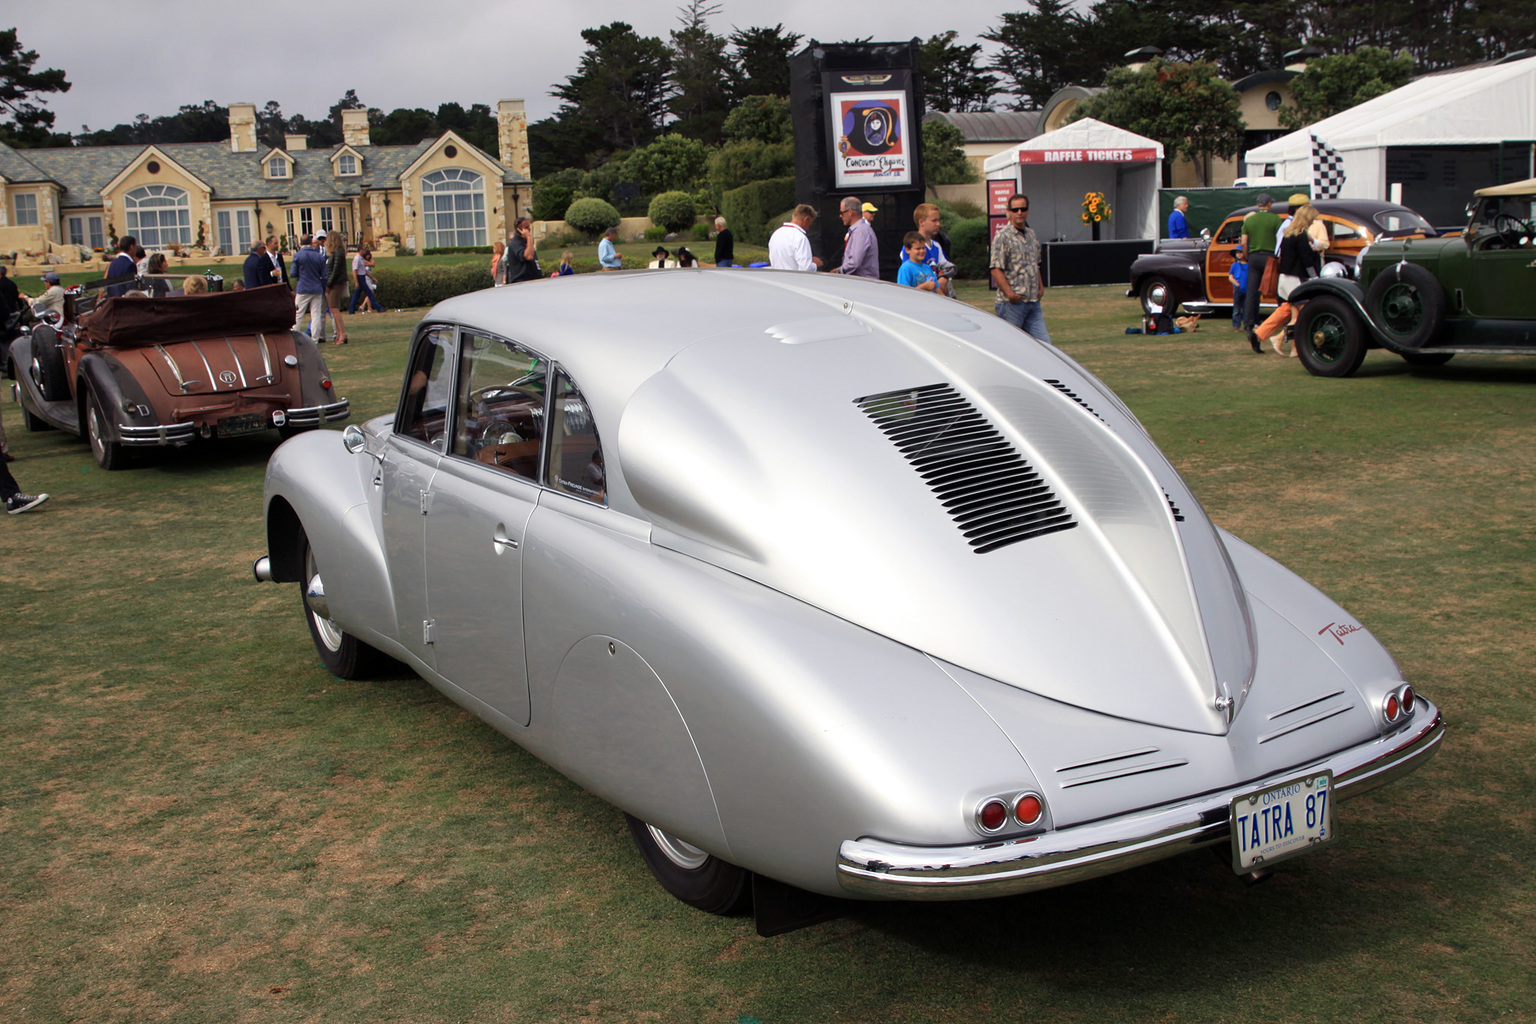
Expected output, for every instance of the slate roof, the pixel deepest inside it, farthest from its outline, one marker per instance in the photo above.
(992, 126)
(83, 171)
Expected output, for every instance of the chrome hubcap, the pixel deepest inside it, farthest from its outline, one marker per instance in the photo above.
(684, 855)
(327, 630)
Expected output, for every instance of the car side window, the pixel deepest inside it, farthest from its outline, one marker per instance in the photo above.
(575, 459)
(500, 407)
(1341, 231)
(1231, 232)
(423, 412)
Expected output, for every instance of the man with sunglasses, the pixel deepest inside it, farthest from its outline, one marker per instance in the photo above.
(1015, 267)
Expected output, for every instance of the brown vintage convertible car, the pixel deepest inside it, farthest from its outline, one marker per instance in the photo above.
(135, 372)
(1194, 274)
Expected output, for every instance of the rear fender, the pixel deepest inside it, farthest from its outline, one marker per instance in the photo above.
(312, 370)
(315, 487)
(122, 400)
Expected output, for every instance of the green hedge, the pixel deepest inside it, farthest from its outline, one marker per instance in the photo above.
(458, 248)
(971, 248)
(426, 286)
(750, 209)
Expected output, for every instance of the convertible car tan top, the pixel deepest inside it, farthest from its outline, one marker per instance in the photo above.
(134, 321)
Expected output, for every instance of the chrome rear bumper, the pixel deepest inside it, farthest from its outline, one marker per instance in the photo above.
(884, 870)
(317, 414)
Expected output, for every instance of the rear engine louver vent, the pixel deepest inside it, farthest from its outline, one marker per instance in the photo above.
(1059, 386)
(988, 488)
(1178, 516)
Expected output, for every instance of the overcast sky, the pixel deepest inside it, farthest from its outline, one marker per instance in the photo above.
(127, 57)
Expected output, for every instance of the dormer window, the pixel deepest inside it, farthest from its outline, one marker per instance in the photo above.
(346, 165)
(277, 167)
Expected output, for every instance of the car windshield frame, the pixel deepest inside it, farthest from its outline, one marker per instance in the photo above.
(1381, 219)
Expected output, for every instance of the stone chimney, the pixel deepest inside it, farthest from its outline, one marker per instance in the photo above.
(294, 143)
(354, 127)
(242, 127)
(512, 136)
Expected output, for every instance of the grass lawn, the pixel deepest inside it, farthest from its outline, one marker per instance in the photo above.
(197, 823)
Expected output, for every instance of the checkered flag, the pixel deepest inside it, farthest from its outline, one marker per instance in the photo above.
(1327, 170)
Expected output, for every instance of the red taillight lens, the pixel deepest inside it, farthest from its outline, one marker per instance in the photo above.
(992, 815)
(1392, 708)
(1028, 809)
(325, 382)
(1408, 699)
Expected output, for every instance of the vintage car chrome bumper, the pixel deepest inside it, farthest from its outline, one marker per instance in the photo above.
(873, 867)
(314, 415)
(169, 433)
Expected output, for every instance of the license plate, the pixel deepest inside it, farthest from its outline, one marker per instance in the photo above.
(1279, 822)
(234, 426)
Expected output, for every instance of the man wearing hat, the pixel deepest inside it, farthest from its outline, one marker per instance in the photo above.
(53, 295)
(870, 209)
(1260, 231)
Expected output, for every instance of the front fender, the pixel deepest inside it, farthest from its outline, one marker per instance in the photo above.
(1185, 275)
(1350, 293)
(316, 488)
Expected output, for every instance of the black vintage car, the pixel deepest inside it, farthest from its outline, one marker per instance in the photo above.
(1194, 273)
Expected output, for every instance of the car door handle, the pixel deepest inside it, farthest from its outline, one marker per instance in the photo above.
(501, 542)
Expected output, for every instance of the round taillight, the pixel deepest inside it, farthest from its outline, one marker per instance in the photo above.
(1027, 809)
(1392, 708)
(992, 815)
(1408, 699)
(325, 382)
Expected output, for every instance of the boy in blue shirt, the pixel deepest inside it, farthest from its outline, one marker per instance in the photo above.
(1238, 275)
(915, 273)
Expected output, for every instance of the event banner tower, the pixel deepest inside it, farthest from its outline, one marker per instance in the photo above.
(858, 113)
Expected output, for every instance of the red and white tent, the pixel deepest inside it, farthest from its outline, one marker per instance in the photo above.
(1058, 168)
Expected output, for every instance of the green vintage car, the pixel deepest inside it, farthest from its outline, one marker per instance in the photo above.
(1428, 299)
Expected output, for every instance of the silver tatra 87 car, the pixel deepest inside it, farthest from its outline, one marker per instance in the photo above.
(834, 588)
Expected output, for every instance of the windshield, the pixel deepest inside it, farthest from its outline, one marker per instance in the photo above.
(1395, 223)
(1490, 208)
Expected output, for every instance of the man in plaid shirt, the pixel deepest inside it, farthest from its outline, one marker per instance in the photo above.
(1016, 271)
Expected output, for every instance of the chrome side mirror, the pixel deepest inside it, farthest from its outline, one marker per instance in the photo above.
(1205, 233)
(354, 440)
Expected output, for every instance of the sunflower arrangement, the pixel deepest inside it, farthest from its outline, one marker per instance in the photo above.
(1095, 208)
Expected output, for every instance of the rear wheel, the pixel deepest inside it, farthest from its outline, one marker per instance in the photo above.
(1329, 338)
(109, 454)
(343, 654)
(697, 878)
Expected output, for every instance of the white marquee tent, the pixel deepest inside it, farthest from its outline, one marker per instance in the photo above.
(1056, 169)
(1478, 106)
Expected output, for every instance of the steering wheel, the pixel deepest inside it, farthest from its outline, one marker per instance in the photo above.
(1504, 224)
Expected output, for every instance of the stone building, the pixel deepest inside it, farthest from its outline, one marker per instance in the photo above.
(439, 193)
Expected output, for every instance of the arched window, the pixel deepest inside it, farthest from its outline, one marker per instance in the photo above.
(453, 208)
(159, 215)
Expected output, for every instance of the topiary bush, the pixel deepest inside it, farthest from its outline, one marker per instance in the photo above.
(400, 288)
(970, 247)
(673, 211)
(750, 210)
(700, 232)
(655, 233)
(591, 216)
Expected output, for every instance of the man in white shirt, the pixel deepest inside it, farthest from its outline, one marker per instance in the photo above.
(790, 246)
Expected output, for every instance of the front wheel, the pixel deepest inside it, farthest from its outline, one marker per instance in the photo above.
(1329, 338)
(1156, 296)
(343, 654)
(697, 878)
(109, 454)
